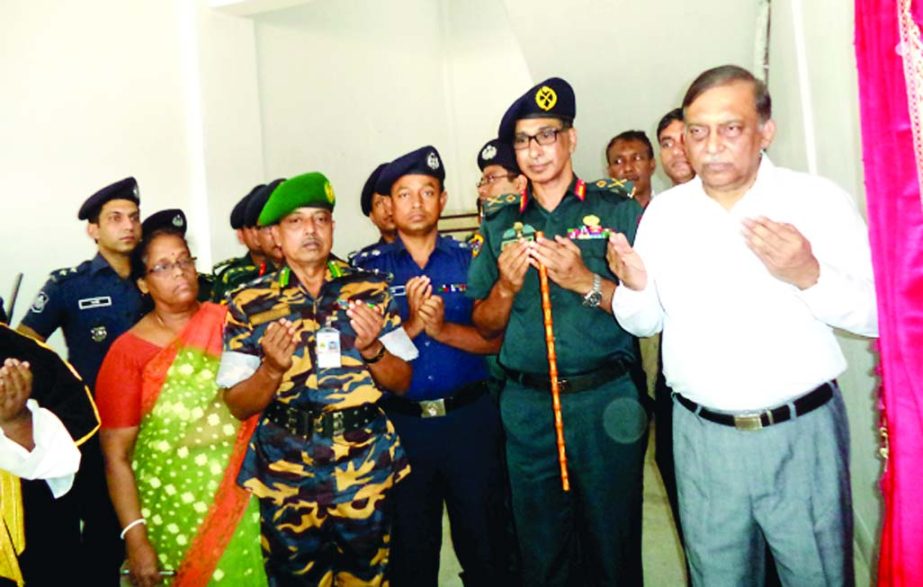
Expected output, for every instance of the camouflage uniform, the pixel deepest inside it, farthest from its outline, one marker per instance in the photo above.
(322, 499)
(231, 274)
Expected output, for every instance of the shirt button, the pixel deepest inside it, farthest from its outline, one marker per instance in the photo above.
(429, 377)
(426, 343)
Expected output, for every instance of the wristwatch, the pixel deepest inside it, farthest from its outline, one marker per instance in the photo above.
(592, 298)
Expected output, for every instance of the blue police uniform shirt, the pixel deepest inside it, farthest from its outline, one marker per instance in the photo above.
(440, 369)
(92, 305)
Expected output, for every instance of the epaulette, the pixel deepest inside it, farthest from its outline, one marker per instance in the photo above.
(386, 275)
(620, 187)
(61, 275)
(366, 252)
(497, 203)
(222, 264)
(230, 272)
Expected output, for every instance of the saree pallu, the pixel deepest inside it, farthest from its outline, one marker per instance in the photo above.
(186, 458)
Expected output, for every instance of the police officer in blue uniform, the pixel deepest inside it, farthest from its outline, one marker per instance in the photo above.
(94, 303)
(377, 207)
(447, 422)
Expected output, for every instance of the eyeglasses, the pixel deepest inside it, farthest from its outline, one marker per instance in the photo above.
(544, 137)
(489, 179)
(165, 268)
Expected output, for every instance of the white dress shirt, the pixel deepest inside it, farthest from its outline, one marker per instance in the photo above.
(735, 338)
(55, 458)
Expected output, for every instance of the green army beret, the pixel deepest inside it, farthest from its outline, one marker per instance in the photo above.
(309, 190)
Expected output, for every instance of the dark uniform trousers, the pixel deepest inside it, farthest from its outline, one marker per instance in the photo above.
(599, 520)
(454, 460)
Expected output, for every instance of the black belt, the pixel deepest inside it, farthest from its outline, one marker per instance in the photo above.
(304, 423)
(571, 383)
(436, 407)
(756, 420)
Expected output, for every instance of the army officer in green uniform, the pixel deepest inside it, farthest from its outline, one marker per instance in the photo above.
(605, 422)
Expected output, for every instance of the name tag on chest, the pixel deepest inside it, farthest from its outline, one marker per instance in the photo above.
(91, 303)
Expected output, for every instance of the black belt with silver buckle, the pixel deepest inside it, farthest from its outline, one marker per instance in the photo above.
(571, 383)
(757, 420)
(434, 408)
(304, 423)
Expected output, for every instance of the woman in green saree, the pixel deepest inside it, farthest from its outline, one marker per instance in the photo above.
(172, 448)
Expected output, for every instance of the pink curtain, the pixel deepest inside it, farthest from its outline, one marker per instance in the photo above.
(895, 219)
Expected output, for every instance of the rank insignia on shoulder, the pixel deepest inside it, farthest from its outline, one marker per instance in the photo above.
(493, 205)
(517, 232)
(621, 187)
(475, 242)
(591, 229)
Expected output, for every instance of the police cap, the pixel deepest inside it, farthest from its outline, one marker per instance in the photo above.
(171, 219)
(125, 189)
(239, 212)
(552, 98)
(368, 190)
(423, 161)
(496, 152)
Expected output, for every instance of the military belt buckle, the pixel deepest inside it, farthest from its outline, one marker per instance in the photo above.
(433, 408)
(330, 423)
(748, 422)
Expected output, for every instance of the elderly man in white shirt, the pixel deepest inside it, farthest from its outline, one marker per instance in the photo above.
(747, 269)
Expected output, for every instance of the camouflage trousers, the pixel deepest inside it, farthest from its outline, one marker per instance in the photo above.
(334, 544)
(324, 512)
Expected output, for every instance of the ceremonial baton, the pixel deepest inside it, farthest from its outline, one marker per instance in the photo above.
(553, 371)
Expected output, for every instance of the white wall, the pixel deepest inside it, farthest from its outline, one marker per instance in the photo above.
(92, 92)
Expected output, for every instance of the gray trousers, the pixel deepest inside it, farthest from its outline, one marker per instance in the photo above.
(786, 485)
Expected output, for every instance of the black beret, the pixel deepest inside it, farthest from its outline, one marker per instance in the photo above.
(125, 189)
(368, 190)
(172, 218)
(256, 202)
(423, 161)
(552, 98)
(240, 209)
(496, 152)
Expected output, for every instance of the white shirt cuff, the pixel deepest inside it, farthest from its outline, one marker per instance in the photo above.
(399, 344)
(236, 367)
(638, 312)
(55, 458)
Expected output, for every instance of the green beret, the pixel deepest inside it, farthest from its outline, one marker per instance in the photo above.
(310, 190)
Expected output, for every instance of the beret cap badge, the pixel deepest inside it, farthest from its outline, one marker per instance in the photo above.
(328, 191)
(489, 152)
(546, 98)
(432, 160)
